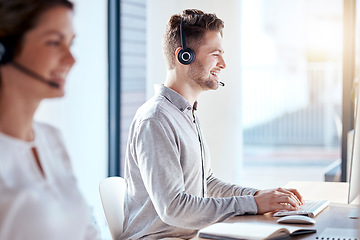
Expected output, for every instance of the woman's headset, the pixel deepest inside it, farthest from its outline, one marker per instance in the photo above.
(6, 50)
(185, 55)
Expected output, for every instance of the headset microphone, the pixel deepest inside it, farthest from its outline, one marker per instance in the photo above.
(221, 84)
(33, 74)
(185, 55)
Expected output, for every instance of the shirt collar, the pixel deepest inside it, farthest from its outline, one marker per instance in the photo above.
(175, 98)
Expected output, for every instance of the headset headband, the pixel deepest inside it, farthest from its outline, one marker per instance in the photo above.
(185, 55)
(183, 42)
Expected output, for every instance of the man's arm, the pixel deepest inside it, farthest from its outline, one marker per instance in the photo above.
(269, 200)
(217, 188)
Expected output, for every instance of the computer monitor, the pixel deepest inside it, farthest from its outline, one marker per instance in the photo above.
(354, 178)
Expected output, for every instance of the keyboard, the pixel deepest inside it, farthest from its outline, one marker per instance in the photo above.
(309, 208)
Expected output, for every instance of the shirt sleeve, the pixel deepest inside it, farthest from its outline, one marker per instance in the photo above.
(217, 188)
(158, 159)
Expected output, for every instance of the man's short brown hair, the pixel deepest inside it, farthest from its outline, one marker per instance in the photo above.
(195, 24)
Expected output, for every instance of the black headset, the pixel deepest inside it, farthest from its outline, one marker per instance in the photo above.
(185, 55)
(7, 49)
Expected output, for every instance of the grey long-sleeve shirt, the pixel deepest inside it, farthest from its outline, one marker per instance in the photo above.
(171, 190)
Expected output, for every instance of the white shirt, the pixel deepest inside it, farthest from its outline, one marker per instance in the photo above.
(171, 190)
(36, 207)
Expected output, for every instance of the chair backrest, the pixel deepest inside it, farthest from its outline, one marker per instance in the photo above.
(112, 192)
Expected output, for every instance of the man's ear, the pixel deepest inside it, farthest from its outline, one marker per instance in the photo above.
(177, 53)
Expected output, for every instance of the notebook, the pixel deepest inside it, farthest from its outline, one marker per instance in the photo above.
(251, 231)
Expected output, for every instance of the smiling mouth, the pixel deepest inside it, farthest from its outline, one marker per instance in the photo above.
(215, 73)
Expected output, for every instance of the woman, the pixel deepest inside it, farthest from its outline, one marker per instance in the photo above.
(39, 198)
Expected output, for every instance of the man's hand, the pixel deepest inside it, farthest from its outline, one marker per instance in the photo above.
(273, 200)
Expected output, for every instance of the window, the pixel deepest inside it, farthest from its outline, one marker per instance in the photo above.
(292, 90)
(127, 84)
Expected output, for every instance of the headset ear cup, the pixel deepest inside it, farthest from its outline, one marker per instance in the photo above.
(186, 56)
(6, 51)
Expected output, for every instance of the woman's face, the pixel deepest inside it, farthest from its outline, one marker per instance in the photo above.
(46, 51)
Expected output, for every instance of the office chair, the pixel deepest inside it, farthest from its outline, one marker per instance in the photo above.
(112, 193)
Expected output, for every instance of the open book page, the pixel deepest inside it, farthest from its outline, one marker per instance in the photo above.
(251, 231)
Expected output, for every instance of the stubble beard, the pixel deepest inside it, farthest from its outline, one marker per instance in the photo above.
(201, 77)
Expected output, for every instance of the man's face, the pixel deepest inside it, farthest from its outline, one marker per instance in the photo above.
(205, 69)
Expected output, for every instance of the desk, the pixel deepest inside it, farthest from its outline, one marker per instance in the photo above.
(334, 216)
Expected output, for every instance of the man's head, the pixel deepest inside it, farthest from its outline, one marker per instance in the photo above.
(195, 24)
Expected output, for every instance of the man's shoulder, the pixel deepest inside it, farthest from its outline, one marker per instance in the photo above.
(152, 109)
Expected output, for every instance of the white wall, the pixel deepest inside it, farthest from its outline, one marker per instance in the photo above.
(219, 111)
(82, 114)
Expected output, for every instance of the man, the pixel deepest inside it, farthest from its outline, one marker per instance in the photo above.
(171, 190)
